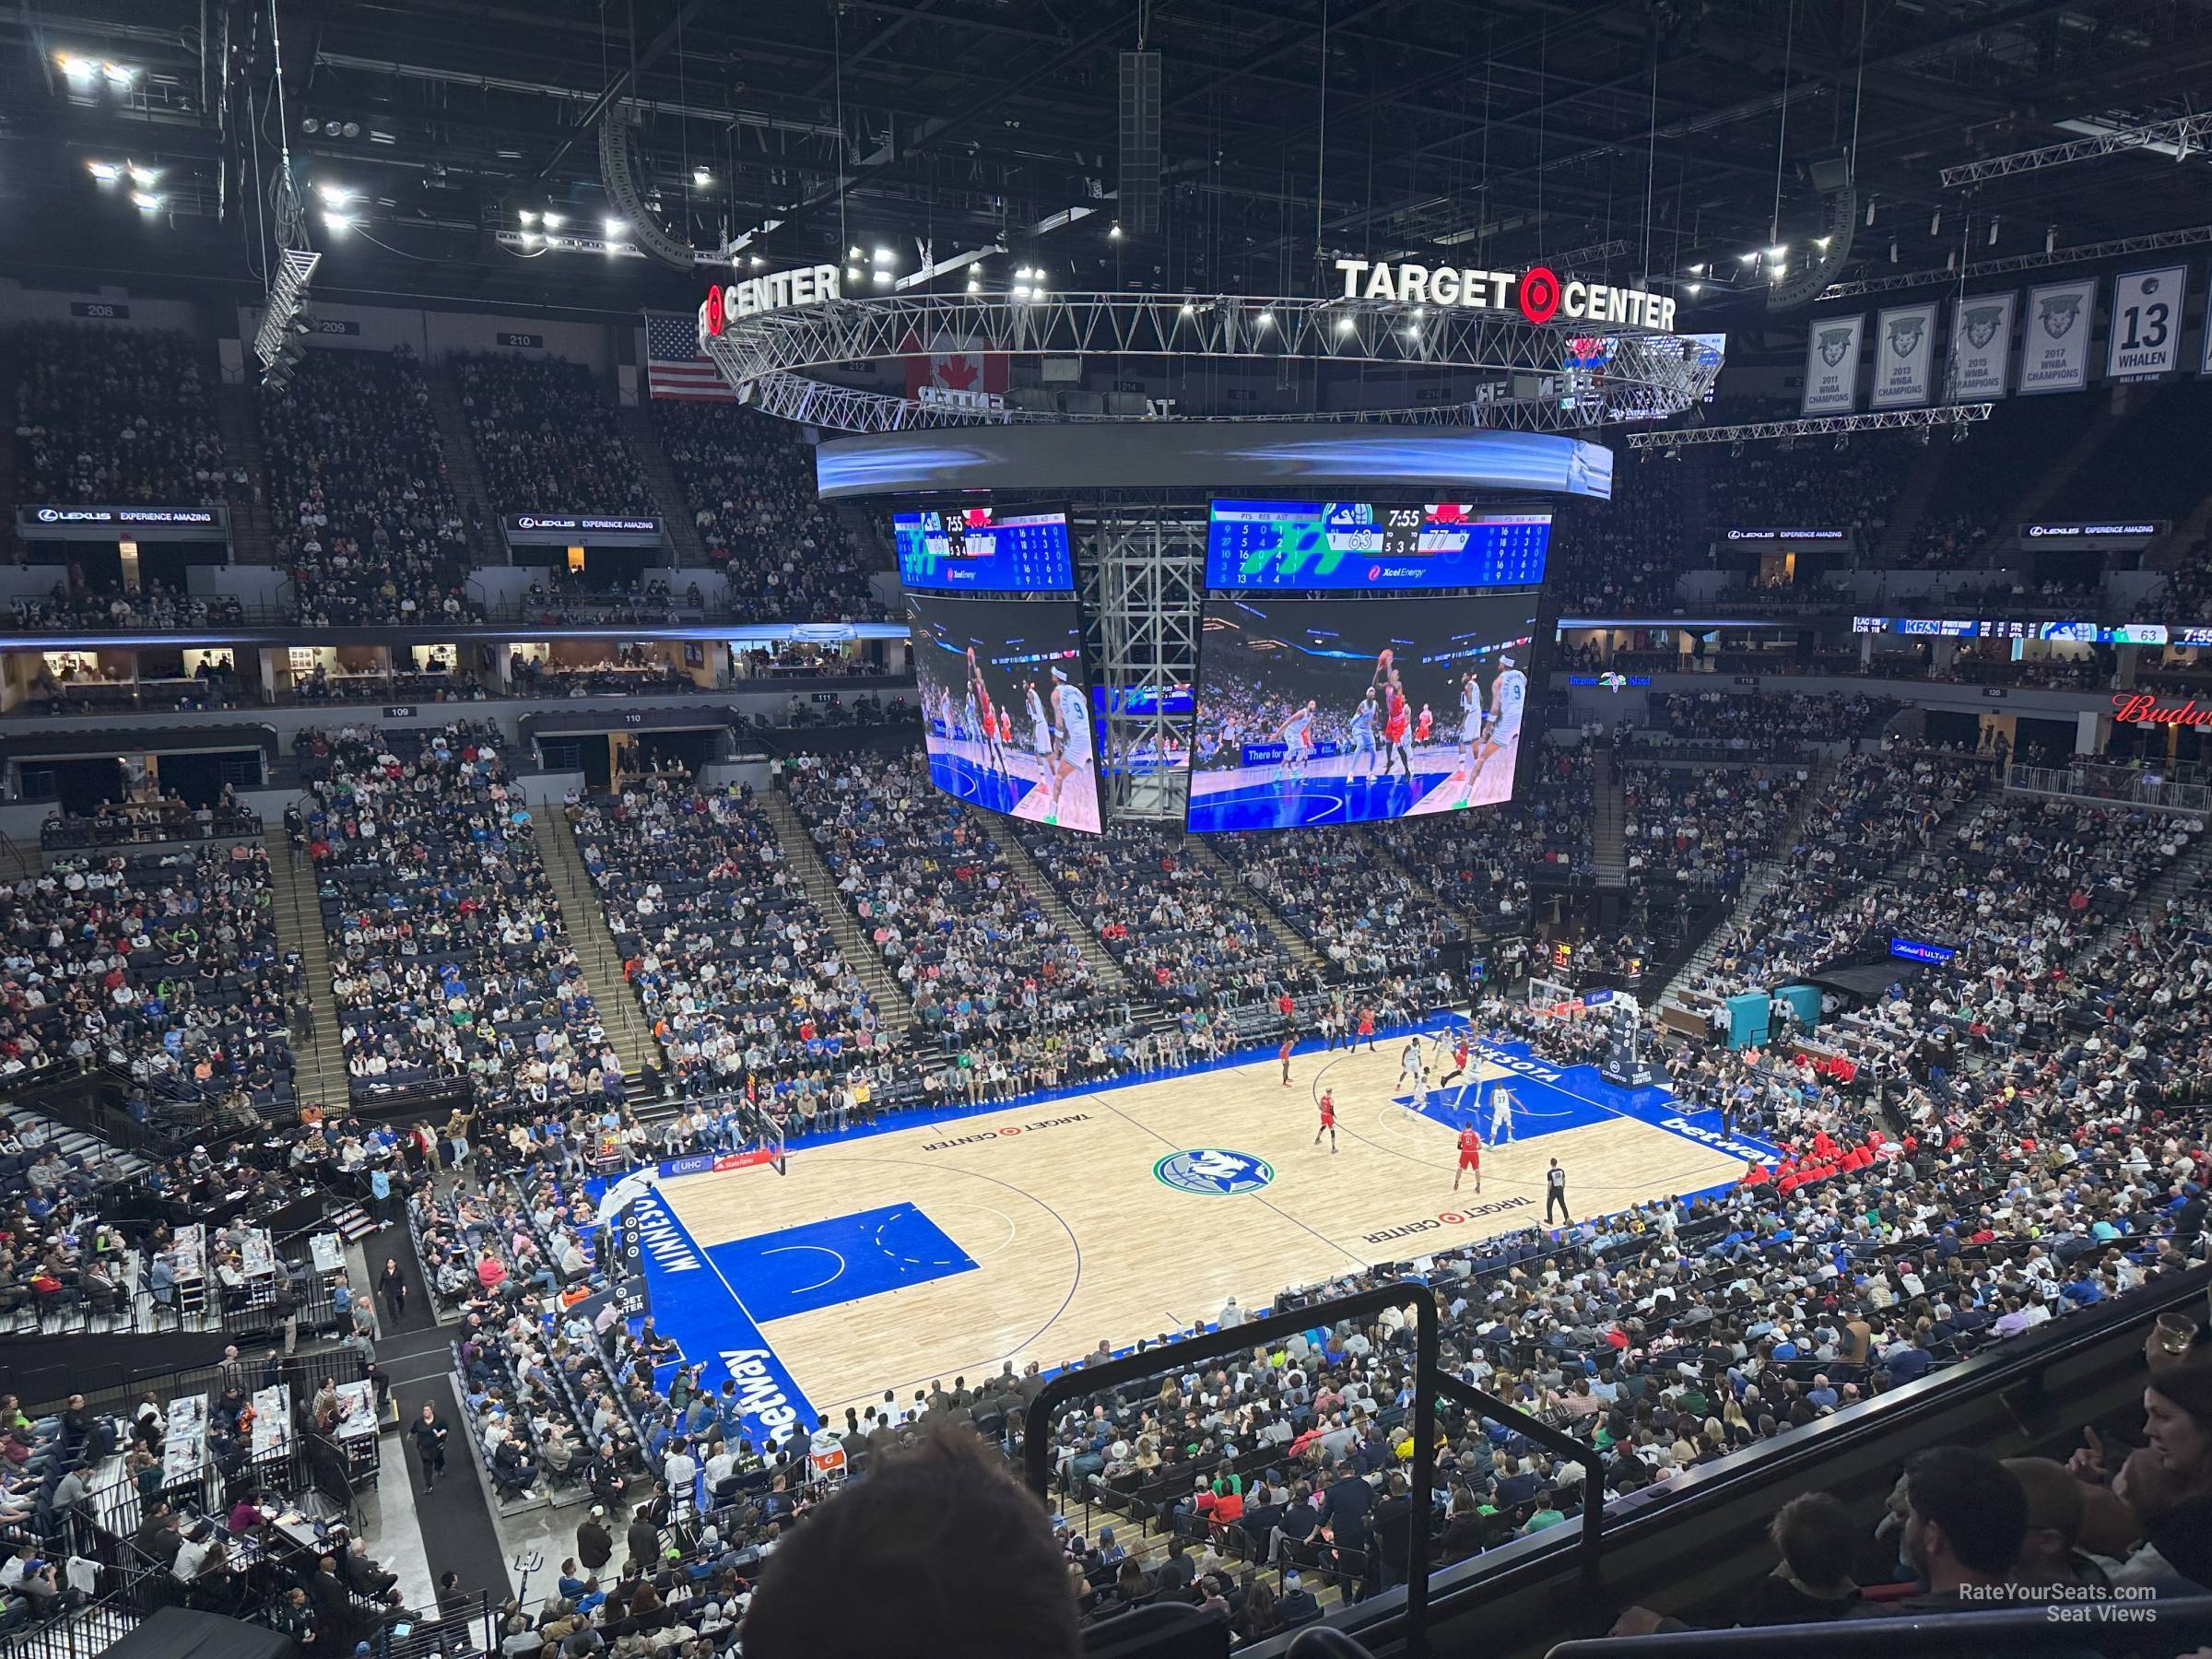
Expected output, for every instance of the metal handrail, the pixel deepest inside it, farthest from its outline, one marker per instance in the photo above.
(1429, 1382)
(2185, 1618)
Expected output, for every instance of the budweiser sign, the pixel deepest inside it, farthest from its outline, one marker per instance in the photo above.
(2143, 709)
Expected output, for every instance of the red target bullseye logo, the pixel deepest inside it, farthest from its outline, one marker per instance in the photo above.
(1452, 1219)
(715, 313)
(1538, 294)
(1016, 1130)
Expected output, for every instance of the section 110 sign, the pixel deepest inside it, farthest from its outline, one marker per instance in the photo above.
(1360, 544)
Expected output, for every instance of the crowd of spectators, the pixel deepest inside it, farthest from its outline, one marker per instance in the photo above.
(1759, 727)
(1621, 557)
(1366, 917)
(1810, 484)
(449, 963)
(73, 605)
(966, 940)
(117, 417)
(749, 481)
(546, 438)
(1165, 916)
(1705, 826)
(739, 975)
(366, 524)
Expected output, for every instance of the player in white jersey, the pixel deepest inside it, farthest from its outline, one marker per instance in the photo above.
(1501, 1114)
(1363, 736)
(1071, 742)
(1041, 726)
(1296, 735)
(1470, 729)
(1509, 695)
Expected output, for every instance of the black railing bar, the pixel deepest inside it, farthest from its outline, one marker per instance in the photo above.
(1036, 1445)
(1591, 1547)
(2103, 1621)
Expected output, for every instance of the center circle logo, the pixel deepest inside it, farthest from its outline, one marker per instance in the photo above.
(1212, 1171)
(1538, 293)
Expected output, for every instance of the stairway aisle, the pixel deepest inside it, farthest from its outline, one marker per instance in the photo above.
(668, 496)
(1302, 953)
(459, 448)
(1103, 963)
(252, 535)
(1607, 831)
(891, 1002)
(617, 1005)
(299, 918)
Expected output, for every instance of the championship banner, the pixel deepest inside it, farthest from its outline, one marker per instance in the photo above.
(2146, 335)
(2054, 346)
(1981, 347)
(1832, 365)
(1904, 355)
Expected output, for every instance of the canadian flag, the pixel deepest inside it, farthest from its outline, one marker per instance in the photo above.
(954, 368)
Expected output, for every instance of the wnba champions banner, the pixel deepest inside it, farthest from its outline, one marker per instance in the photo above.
(1832, 365)
(1981, 347)
(2147, 323)
(1904, 354)
(2054, 346)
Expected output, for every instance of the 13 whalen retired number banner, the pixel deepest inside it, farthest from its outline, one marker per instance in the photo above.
(2052, 329)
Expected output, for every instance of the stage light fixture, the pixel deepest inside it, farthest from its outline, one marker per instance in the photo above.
(1936, 222)
(1115, 233)
(614, 227)
(1821, 242)
(528, 216)
(1992, 230)
(1189, 310)
(145, 200)
(2051, 240)
(882, 278)
(337, 220)
(1266, 319)
(1750, 258)
(883, 256)
(352, 129)
(851, 273)
(1694, 289)
(758, 262)
(531, 239)
(118, 75)
(74, 67)
(107, 173)
(701, 178)
(974, 287)
(331, 129)
(853, 251)
(1870, 202)
(552, 220)
(1697, 270)
(1959, 434)
(1345, 324)
(1778, 250)
(144, 177)
(337, 195)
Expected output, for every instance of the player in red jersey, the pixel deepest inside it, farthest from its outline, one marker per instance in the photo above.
(1470, 1156)
(994, 752)
(1328, 1119)
(1460, 1049)
(1421, 726)
(1283, 1054)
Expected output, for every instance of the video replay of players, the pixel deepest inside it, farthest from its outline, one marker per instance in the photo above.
(1005, 706)
(1340, 710)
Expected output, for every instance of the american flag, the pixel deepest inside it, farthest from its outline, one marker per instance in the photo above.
(673, 366)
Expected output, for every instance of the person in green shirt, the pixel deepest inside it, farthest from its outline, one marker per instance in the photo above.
(1546, 1515)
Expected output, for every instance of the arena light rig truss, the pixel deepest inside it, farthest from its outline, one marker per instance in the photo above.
(1958, 417)
(1550, 376)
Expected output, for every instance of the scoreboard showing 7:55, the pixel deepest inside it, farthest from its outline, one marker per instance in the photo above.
(1367, 546)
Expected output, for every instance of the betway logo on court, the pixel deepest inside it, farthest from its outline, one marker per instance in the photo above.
(759, 1394)
(1751, 1152)
(1458, 1217)
(663, 1239)
(1011, 1129)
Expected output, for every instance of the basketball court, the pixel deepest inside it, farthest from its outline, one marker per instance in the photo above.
(1343, 789)
(936, 1249)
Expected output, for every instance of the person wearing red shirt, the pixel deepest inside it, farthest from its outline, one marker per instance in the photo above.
(1367, 1026)
(1283, 1054)
(1470, 1156)
(1328, 1119)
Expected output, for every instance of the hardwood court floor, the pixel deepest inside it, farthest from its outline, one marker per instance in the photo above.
(1076, 1239)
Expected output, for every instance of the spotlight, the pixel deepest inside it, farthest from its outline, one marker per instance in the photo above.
(1992, 230)
(1870, 202)
(883, 256)
(145, 201)
(852, 252)
(552, 220)
(2051, 240)
(1345, 324)
(701, 178)
(107, 173)
(882, 278)
(352, 129)
(528, 216)
(531, 239)
(1778, 250)
(76, 69)
(331, 129)
(337, 195)
(1114, 234)
(1821, 242)
(1843, 441)
(974, 287)
(309, 127)
(1950, 260)
(337, 220)
(118, 75)
(1936, 222)
(851, 273)
(758, 262)
(1266, 319)
(1697, 270)
(1778, 272)
(1959, 434)
(1694, 289)
(1188, 309)
(1893, 250)
(1021, 290)
(1750, 258)
(615, 226)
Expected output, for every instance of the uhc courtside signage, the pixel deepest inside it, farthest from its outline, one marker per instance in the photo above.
(1537, 293)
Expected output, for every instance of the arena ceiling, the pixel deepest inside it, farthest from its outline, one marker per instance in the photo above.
(1617, 138)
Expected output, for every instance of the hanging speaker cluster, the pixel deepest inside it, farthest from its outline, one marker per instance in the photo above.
(1808, 277)
(628, 200)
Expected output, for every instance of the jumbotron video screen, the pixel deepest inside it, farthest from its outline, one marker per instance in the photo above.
(1006, 705)
(1339, 710)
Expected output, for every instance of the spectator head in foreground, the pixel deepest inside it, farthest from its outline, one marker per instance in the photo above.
(936, 1555)
(1966, 1518)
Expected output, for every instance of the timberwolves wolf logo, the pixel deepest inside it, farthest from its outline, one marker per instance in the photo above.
(2059, 314)
(1982, 324)
(1904, 335)
(1835, 345)
(2150, 287)
(1211, 1172)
